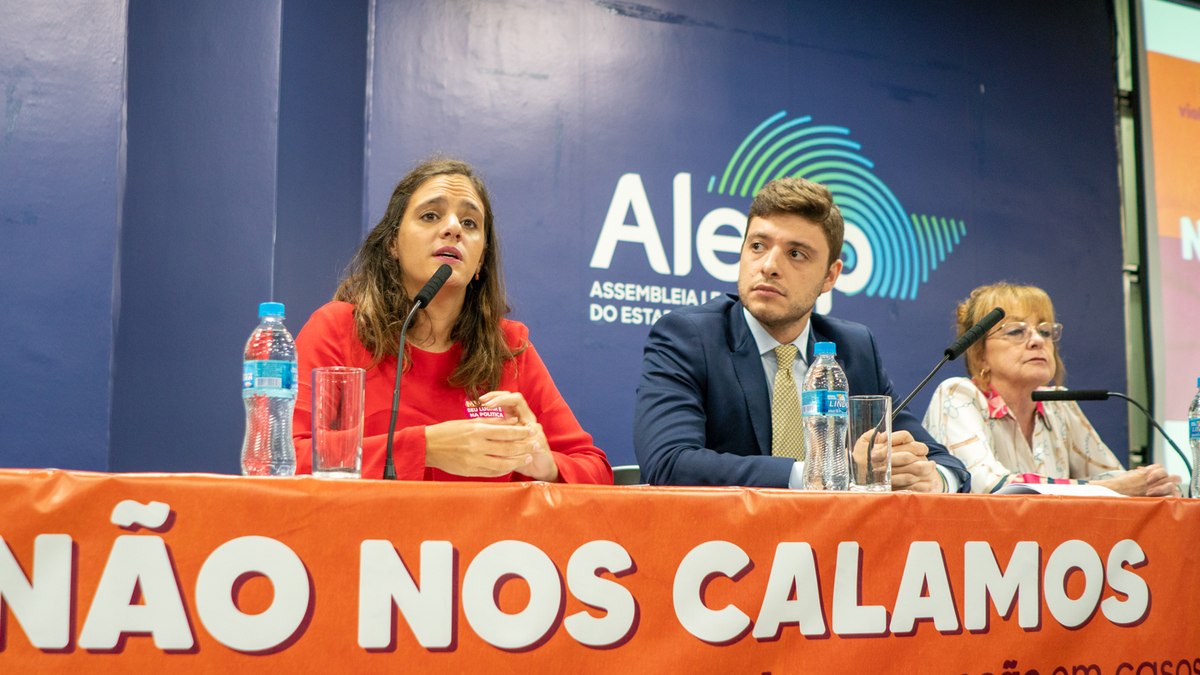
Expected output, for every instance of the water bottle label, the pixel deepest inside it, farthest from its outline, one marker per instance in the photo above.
(825, 402)
(1194, 429)
(276, 379)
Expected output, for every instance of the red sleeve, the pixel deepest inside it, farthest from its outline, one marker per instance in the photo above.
(317, 345)
(329, 339)
(578, 460)
(408, 453)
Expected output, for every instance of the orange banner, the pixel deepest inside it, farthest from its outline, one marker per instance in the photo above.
(209, 573)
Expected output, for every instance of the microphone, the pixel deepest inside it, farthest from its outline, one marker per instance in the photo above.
(1101, 395)
(423, 298)
(955, 350)
(1071, 395)
(952, 352)
(972, 336)
(431, 287)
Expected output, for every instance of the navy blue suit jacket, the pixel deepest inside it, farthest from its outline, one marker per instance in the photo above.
(703, 413)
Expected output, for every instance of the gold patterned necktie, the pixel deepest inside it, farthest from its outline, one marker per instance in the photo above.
(787, 437)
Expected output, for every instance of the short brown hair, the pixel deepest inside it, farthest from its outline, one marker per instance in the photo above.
(803, 198)
(1012, 298)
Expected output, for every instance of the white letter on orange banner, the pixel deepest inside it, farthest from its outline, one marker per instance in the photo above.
(42, 603)
(383, 579)
(794, 566)
(605, 594)
(707, 560)
(137, 562)
(849, 618)
(925, 568)
(1069, 555)
(493, 566)
(1133, 610)
(1018, 583)
(243, 557)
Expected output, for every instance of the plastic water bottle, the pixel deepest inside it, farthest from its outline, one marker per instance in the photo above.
(1194, 439)
(825, 401)
(269, 394)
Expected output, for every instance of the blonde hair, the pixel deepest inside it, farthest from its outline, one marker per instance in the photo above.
(1016, 299)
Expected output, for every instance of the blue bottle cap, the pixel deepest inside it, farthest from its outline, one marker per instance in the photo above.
(270, 309)
(825, 348)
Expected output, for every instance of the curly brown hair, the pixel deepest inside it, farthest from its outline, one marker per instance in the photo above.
(374, 284)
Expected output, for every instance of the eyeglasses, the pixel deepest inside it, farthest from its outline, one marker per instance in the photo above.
(1019, 331)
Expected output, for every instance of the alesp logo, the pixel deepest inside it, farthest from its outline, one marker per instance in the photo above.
(888, 252)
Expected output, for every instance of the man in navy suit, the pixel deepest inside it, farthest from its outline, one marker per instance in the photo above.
(703, 413)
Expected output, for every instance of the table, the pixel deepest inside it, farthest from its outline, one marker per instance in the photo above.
(198, 572)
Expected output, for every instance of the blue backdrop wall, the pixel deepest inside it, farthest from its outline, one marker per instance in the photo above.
(991, 127)
(244, 184)
(197, 241)
(62, 79)
(621, 143)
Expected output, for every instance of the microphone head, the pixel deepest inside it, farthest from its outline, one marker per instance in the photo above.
(972, 336)
(1070, 395)
(425, 295)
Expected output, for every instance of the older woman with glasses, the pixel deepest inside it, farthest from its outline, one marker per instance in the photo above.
(990, 422)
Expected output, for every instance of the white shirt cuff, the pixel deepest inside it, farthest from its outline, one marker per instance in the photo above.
(951, 479)
(796, 480)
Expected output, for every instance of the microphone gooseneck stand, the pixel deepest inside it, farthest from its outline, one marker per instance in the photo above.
(422, 299)
(1102, 395)
(952, 352)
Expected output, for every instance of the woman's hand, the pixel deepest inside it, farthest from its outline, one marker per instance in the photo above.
(1159, 483)
(1145, 481)
(515, 407)
(479, 447)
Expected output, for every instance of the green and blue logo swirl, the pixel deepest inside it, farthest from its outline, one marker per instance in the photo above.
(897, 248)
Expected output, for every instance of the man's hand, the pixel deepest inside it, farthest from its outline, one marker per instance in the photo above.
(911, 467)
(879, 455)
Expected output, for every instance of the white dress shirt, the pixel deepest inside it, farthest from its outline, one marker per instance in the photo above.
(766, 348)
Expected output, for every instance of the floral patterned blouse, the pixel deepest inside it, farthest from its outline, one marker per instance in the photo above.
(980, 430)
